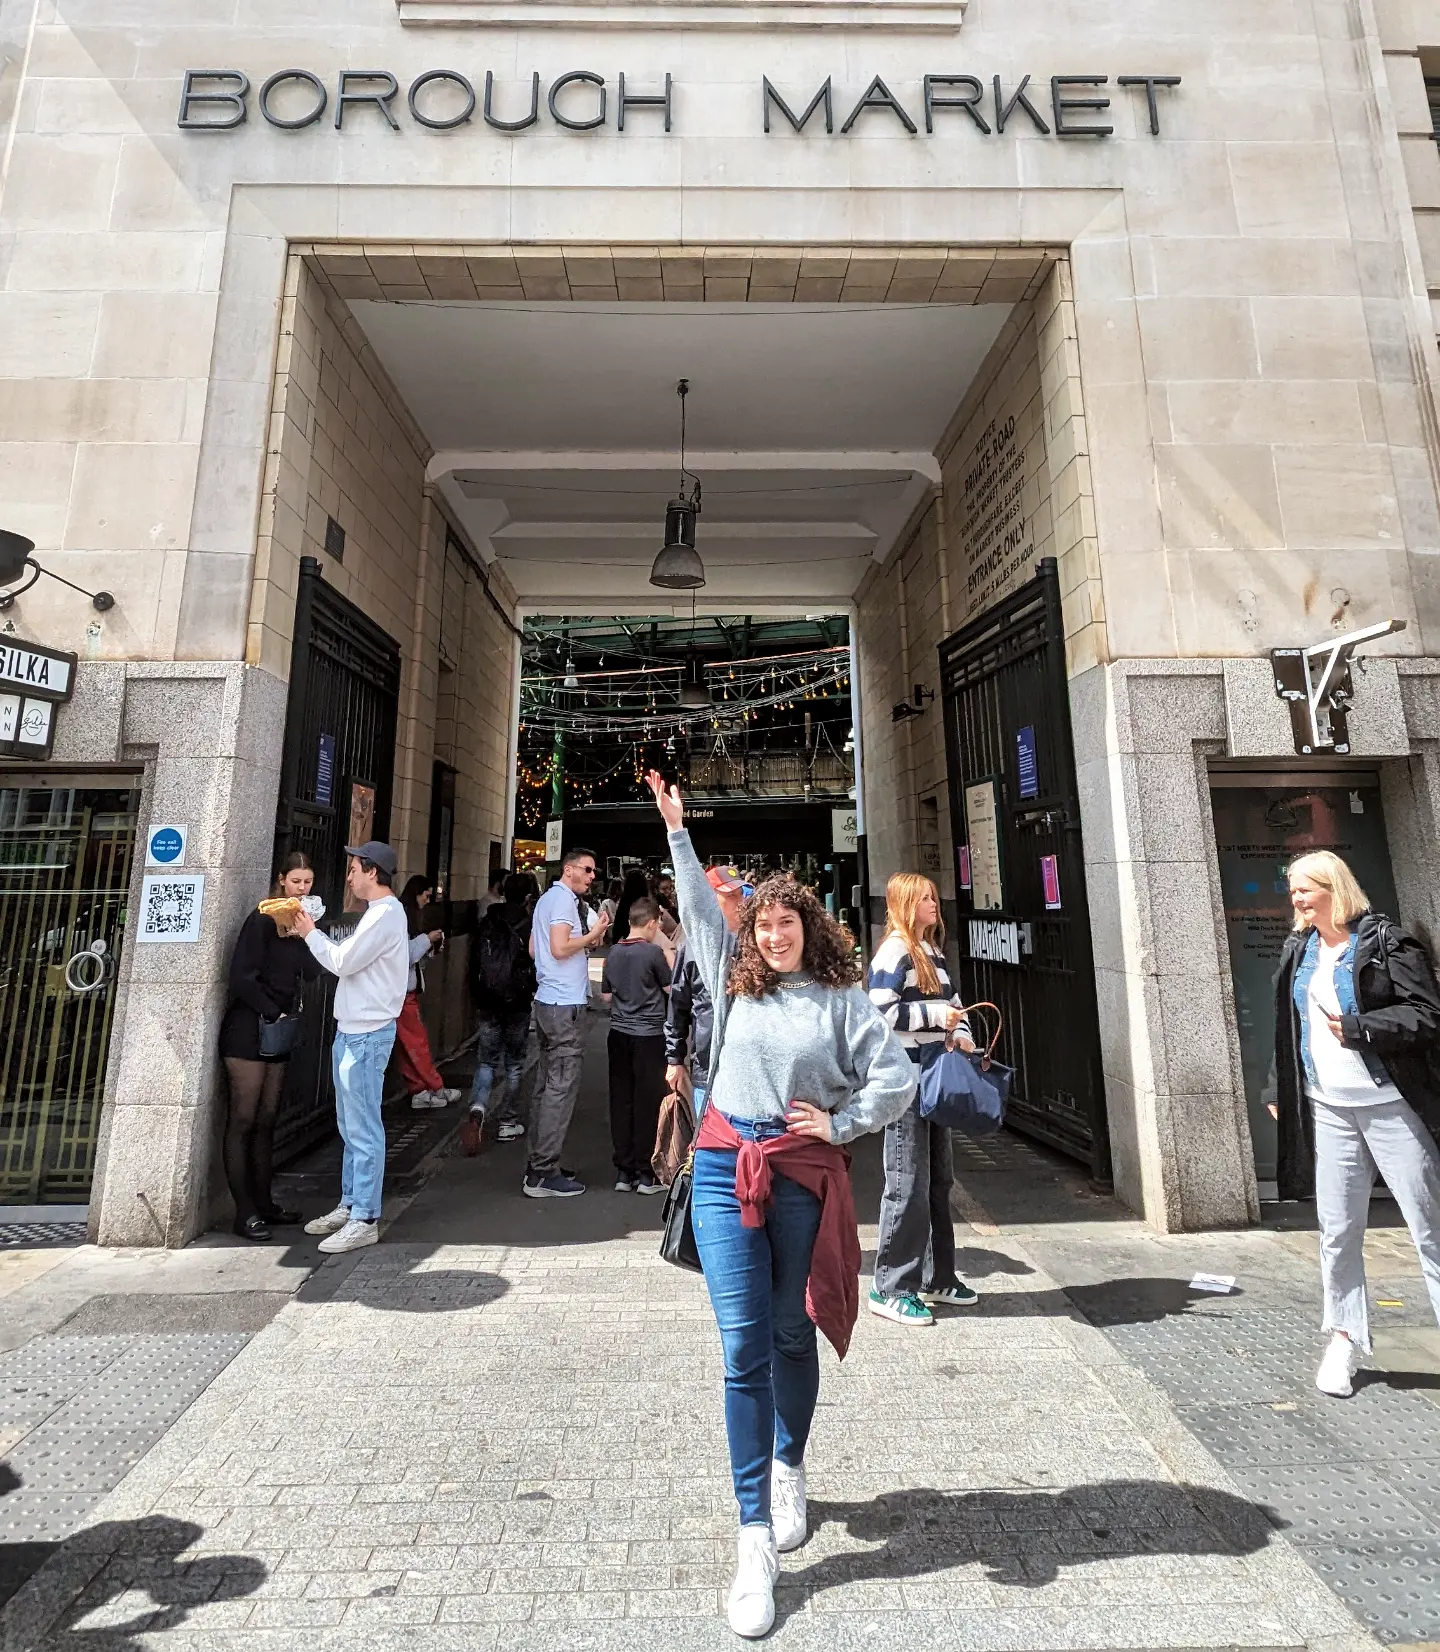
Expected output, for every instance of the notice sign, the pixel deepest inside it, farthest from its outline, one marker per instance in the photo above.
(962, 864)
(982, 821)
(170, 907)
(554, 838)
(1050, 881)
(166, 845)
(842, 831)
(1025, 759)
(325, 774)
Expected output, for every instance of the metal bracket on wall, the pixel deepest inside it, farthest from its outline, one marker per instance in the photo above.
(1316, 684)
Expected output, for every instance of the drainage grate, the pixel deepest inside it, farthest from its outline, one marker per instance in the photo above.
(41, 1235)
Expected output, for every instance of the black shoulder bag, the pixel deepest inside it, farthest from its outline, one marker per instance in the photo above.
(279, 1037)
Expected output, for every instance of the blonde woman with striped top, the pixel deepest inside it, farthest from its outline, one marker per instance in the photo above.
(910, 986)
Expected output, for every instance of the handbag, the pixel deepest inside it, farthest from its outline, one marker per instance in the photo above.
(677, 1242)
(673, 1137)
(965, 1090)
(279, 1037)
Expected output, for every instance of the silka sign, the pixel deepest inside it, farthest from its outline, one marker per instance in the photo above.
(443, 100)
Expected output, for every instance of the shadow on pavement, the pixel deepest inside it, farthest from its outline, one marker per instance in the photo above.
(1025, 1538)
(392, 1278)
(138, 1584)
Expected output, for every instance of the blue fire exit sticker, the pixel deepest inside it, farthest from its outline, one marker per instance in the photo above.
(166, 846)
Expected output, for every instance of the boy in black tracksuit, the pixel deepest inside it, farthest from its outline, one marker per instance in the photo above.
(634, 984)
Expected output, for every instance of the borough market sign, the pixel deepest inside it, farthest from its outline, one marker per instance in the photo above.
(444, 100)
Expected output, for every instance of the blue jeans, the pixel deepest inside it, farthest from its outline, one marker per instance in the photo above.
(500, 1054)
(756, 1278)
(359, 1061)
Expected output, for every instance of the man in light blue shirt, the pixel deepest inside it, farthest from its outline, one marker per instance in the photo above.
(561, 945)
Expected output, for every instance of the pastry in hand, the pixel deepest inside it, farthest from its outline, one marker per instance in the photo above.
(282, 910)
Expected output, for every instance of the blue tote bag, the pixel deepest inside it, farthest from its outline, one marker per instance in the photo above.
(965, 1091)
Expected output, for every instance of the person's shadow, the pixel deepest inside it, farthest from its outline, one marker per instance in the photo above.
(131, 1558)
(1024, 1538)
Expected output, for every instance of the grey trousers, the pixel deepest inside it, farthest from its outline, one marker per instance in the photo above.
(1351, 1144)
(917, 1236)
(557, 1082)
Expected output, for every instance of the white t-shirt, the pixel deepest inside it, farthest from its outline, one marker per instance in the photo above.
(562, 980)
(1343, 1079)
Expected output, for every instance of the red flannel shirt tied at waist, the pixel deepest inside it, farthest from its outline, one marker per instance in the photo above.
(832, 1292)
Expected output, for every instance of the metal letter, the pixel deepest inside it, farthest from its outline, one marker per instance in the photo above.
(1150, 82)
(584, 77)
(381, 100)
(1003, 110)
(512, 125)
(637, 101)
(879, 96)
(234, 100)
(426, 79)
(1063, 105)
(304, 120)
(824, 95)
(970, 103)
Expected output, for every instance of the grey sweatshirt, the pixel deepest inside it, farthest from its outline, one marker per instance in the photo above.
(802, 1042)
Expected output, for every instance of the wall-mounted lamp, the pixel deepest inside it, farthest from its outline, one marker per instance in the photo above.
(905, 708)
(17, 563)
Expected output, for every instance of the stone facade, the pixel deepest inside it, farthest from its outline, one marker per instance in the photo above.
(1221, 363)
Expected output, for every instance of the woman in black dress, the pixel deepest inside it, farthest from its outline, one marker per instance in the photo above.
(268, 970)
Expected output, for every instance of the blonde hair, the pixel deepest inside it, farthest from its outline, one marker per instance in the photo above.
(1324, 867)
(903, 894)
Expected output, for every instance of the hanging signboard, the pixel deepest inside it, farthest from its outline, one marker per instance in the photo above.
(842, 831)
(33, 681)
(982, 821)
(554, 838)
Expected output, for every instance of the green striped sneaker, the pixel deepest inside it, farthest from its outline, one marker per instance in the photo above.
(958, 1295)
(904, 1309)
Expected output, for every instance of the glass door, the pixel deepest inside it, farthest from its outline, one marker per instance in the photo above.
(66, 849)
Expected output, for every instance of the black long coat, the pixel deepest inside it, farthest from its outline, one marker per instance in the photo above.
(1399, 1021)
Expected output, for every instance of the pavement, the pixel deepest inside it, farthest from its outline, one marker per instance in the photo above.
(501, 1427)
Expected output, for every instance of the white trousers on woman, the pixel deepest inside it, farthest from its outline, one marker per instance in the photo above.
(1351, 1144)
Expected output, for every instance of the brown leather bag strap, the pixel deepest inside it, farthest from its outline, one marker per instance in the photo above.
(985, 1004)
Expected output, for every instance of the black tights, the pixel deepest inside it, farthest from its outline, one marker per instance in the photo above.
(255, 1088)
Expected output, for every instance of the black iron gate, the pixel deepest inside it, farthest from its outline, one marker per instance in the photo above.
(1024, 925)
(336, 778)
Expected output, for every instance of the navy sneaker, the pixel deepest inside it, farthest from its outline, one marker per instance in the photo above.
(556, 1186)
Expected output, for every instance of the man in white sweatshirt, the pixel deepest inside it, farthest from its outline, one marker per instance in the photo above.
(373, 965)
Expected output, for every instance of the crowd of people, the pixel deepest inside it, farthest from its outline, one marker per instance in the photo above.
(747, 1001)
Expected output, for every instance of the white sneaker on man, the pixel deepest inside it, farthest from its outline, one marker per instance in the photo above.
(1338, 1367)
(751, 1605)
(331, 1222)
(353, 1236)
(511, 1130)
(443, 1098)
(787, 1506)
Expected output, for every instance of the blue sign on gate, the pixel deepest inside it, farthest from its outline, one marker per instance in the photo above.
(1029, 767)
(325, 772)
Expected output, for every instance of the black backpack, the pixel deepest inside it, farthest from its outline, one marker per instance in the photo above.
(502, 972)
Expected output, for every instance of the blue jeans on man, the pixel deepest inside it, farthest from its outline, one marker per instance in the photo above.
(358, 1061)
(756, 1278)
(502, 1041)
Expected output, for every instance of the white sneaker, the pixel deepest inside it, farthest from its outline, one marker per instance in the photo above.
(1338, 1367)
(353, 1236)
(421, 1100)
(443, 1098)
(331, 1222)
(751, 1606)
(787, 1506)
(511, 1130)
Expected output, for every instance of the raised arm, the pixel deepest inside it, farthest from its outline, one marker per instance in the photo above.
(699, 910)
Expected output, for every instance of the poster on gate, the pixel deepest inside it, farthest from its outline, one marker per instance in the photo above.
(1050, 881)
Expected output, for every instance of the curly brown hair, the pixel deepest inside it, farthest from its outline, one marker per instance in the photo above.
(829, 946)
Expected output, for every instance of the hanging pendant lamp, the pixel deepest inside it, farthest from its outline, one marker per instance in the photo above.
(694, 691)
(678, 566)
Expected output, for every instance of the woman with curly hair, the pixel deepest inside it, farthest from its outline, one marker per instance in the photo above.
(801, 1062)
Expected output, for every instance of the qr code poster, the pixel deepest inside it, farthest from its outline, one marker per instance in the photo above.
(170, 908)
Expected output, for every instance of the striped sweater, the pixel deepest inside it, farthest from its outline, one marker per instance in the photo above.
(918, 1018)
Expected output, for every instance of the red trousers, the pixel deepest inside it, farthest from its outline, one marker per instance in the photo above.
(417, 1065)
